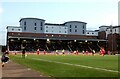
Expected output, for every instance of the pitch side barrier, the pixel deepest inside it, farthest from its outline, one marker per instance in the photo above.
(51, 52)
(19, 52)
(33, 52)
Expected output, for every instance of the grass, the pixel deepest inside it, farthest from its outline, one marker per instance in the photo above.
(52, 65)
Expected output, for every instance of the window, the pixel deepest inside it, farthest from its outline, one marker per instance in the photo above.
(46, 26)
(65, 31)
(24, 27)
(35, 24)
(83, 27)
(88, 33)
(75, 30)
(75, 26)
(115, 30)
(46, 30)
(12, 29)
(35, 28)
(92, 33)
(52, 27)
(41, 23)
(59, 31)
(25, 23)
(111, 30)
(83, 32)
(65, 27)
(70, 30)
(70, 26)
(18, 29)
(41, 28)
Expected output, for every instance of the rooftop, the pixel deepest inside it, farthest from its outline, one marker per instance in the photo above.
(31, 18)
(104, 26)
(54, 24)
(75, 21)
(113, 27)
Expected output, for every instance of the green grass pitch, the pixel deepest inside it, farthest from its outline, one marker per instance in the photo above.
(71, 65)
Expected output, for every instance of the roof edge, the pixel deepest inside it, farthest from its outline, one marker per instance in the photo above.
(31, 18)
(75, 21)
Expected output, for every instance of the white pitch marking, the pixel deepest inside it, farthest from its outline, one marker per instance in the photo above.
(78, 65)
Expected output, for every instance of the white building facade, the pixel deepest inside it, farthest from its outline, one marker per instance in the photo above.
(55, 29)
(92, 33)
(110, 29)
(113, 30)
(14, 29)
(36, 25)
(103, 28)
(33, 25)
(76, 27)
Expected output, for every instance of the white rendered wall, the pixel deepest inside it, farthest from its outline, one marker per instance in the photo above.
(92, 33)
(30, 25)
(112, 30)
(76, 28)
(14, 29)
(116, 30)
(56, 29)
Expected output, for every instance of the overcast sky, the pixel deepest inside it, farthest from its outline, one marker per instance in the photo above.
(94, 12)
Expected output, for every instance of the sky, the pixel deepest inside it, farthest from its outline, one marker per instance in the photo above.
(94, 12)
